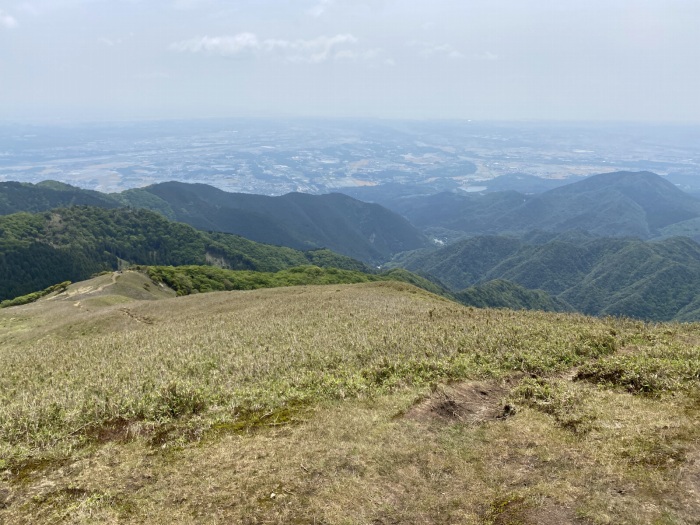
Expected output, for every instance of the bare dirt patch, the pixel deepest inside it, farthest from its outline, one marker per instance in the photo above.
(470, 402)
(118, 430)
(137, 318)
(518, 511)
(691, 480)
(550, 514)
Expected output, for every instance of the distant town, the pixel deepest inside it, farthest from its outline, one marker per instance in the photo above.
(274, 157)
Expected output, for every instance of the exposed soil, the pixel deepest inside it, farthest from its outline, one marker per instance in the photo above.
(691, 480)
(137, 318)
(628, 350)
(4, 498)
(118, 430)
(470, 402)
(518, 511)
(550, 514)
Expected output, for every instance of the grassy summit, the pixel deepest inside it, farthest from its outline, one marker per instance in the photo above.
(363, 403)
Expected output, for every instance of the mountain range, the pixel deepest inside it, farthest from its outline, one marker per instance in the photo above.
(584, 246)
(620, 204)
(363, 231)
(657, 280)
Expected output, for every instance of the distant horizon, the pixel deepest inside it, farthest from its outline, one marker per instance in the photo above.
(484, 60)
(48, 121)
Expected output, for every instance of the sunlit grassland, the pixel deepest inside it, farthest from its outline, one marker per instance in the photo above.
(286, 406)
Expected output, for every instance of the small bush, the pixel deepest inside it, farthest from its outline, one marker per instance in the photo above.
(35, 296)
(177, 400)
(644, 373)
(596, 345)
(564, 402)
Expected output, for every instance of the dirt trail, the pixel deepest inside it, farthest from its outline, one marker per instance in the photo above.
(112, 282)
(137, 318)
(86, 290)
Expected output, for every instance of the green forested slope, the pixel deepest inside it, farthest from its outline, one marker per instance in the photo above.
(617, 204)
(364, 231)
(38, 250)
(505, 294)
(23, 196)
(367, 232)
(658, 280)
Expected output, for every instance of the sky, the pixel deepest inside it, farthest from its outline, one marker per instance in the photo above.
(568, 60)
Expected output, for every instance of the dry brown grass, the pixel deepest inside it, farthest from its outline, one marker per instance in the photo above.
(295, 406)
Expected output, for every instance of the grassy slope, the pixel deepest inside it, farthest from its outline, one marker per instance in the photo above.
(296, 405)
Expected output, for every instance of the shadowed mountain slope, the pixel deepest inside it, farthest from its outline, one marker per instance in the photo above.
(657, 280)
(367, 232)
(617, 204)
(23, 196)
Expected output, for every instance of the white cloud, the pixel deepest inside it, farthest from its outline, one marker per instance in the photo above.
(109, 42)
(429, 49)
(320, 8)
(487, 55)
(373, 57)
(219, 45)
(316, 50)
(7, 21)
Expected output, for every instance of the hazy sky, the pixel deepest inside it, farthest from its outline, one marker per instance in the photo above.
(473, 59)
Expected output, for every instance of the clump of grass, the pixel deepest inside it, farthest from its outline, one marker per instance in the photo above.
(652, 370)
(568, 404)
(508, 510)
(177, 400)
(597, 344)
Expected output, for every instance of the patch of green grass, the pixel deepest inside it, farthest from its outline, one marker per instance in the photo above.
(652, 370)
(186, 280)
(215, 356)
(569, 404)
(508, 510)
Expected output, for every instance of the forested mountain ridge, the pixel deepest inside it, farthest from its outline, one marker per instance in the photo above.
(22, 196)
(564, 258)
(657, 280)
(615, 204)
(41, 249)
(500, 293)
(364, 231)
(620, 204)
